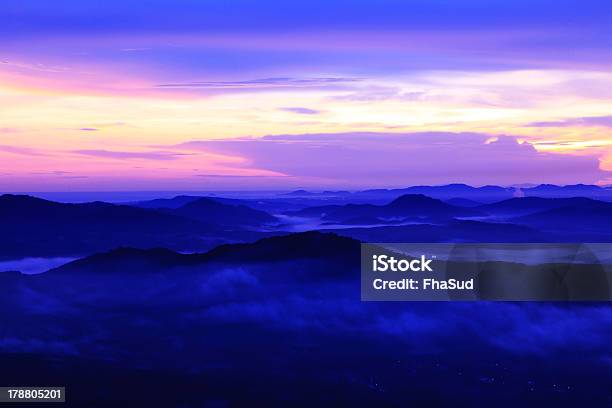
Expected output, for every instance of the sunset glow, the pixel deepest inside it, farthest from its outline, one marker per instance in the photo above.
(118, 107)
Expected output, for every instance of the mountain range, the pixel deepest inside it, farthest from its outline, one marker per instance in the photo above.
(575, 190)
(409, 207)
(33, 227)
(484, 194)
(223, 213)
(529, 205)
(281, 316)
(36, 227)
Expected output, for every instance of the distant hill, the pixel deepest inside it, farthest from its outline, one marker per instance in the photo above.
(595, 219)
(529, 205)
(299, 193)
(269, 205)
(463, 202)
(445, 192)
(37, 227)
(23, 210)
(336, 192)
(181, 200)
(576, 190)
(363, 221)
(455, 231)
(409, 206)
(215, 212)
(173, 203)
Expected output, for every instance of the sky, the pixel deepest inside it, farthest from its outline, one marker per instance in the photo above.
(260, 94)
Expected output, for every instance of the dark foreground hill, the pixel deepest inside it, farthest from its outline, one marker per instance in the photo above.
(294, 247)
(279, 322)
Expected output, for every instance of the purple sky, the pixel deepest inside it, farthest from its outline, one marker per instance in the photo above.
(193, 95)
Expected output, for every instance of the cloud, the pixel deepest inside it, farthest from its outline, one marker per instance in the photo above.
(241, 296)
(301, 111)
(384, 93)
(236, 176)
(587, 121)
(88, 129)
(150, 155)
(543, 328)
(280, 83)
(24, 151)
(37, 67)
(390, 159)
(137, 49)
(53, 173)
(33, 265)
(58, 174)
(188, 47)
(36, 345)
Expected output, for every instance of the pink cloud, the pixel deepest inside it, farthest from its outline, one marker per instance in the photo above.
(24, 151)
(587, 121)
(119, 155)
(386, 159)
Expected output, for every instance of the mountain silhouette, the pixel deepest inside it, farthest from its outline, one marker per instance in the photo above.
(463, 202)
(36, 227)
(528, 205)
(409, 206)
(215, 212)
(454, 231)
(575, 190)
(446, 192)
(292, 248)
(181, 200)
(594, 219)
(173, 203)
